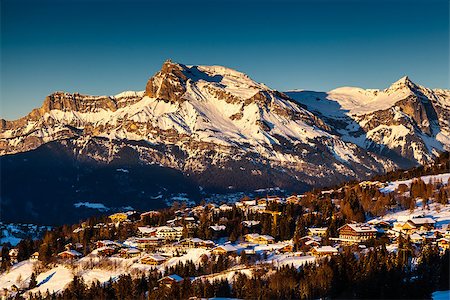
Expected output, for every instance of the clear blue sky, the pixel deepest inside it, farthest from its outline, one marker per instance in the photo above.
(104, 47)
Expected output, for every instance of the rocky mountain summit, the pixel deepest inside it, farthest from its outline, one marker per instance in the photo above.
(224, 130)
(406, 122)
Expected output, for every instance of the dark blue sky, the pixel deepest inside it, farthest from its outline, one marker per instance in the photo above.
(105, 47)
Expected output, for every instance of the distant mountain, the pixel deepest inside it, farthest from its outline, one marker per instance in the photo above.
(405, 122)
(222, 131)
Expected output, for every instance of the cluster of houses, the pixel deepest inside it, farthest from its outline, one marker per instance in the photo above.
(154, 245)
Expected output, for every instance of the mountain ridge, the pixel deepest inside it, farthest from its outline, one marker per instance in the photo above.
(213, 116)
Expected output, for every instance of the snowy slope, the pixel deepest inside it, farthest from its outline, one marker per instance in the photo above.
(405, 121)
(199, 119)
(392, 186)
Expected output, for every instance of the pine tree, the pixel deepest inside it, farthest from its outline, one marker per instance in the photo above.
(33, 281)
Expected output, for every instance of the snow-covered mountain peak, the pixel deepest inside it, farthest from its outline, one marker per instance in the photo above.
(403, 84)
(178, 83)
(193, 118)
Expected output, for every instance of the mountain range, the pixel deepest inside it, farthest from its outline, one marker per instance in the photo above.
(211, 128)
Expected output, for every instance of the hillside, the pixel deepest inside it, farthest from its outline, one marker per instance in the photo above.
(215, 130)
(181, 252)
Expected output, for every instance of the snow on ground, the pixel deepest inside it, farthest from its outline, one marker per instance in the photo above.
(289, 260)
(392, 186)
(192, 254)
(100, 275)
(53, 280)
(440, 213)
(441, 295)
(21, 271)
(229, 274)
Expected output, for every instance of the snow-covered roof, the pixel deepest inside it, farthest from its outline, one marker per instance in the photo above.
(145, 229)
(317, 229)
(217, 227)
(70, 252)
(422, 221)
(155, 257)
(415, 236)
(104, 248)
(133, 250)
(311, 242)
(326, 249)
(360, 227)
(227, 247)
(250, 223)
(225, 207)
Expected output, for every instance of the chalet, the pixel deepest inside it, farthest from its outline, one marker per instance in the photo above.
(307, 238)
(225, 207)
(118, 217)
(129, 252)
(293, 199)
(69, 254)
(34, 256)
(168, 281)
(224, 249)
(274, 199)
(356, 232)
(443, 243)
(259, 239)
(106, 243)
(106, 251)
(148, 242)
(262, 202)
(416, 238)
(286, 248)
(421, 223)
(168, 233)
(153, 259)
(249, 202)
(257, 208)
(317, 231)
(196, 243)
(380, 224)
(312, 243)
(324, 250)
(144, 231)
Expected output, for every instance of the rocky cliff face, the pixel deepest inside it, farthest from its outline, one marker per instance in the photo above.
(221, 128)
(405, 122)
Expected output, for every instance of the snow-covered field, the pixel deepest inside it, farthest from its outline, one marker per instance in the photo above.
(290, 260)
(392, 186)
